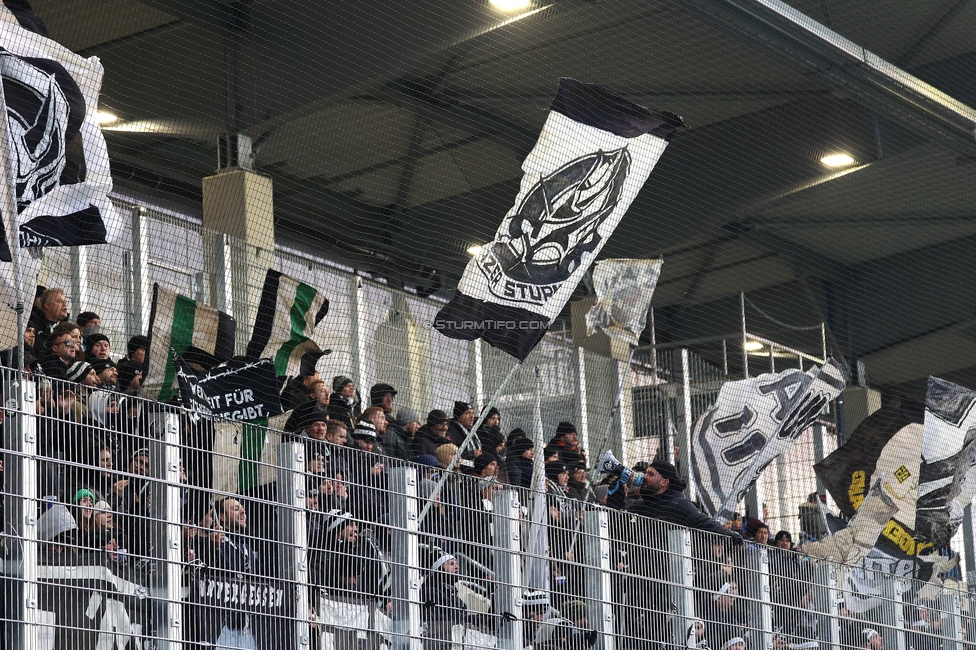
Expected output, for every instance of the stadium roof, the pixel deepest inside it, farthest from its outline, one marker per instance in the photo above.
(394, 133)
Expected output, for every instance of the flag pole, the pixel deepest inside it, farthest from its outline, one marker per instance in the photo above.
(536, 561)
(464, 445)
(12, 234)
(616, 406)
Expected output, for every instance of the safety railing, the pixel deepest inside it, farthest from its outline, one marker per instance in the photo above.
(131, 524)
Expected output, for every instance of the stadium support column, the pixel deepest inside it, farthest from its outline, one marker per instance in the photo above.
(238, 204)
(167, 529)
(682, 581)
(293, 536)
(599, 592)
(507, 562)
(406, 559)
(20, 513)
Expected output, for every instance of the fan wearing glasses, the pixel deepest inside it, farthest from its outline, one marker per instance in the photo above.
(63, 348)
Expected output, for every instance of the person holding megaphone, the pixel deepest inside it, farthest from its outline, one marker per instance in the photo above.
(646, 542)
(661, 490)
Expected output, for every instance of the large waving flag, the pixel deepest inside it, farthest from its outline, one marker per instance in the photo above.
(57, 167)
(198, 333)
(594, 154)
(287, 316)
(948, 472)
(886, 446)
(752, 422)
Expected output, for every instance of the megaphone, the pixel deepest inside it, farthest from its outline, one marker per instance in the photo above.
(610, 465)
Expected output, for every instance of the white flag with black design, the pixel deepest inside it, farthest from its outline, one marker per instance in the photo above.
(594, 154)
(624, 289)
(947, 478)
(752, 422)
(58, 175)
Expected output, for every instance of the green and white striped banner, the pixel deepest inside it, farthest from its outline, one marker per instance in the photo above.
(195, 331)
(287, 315)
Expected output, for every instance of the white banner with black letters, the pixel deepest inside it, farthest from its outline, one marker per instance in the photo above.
(752, 422)
(594, 154)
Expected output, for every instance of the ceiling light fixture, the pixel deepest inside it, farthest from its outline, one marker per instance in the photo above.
(104, 117)
(510, 5)
(753, 346)
(474, 250)
(837, 160)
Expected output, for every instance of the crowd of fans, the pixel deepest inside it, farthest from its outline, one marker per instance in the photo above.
(98, 509)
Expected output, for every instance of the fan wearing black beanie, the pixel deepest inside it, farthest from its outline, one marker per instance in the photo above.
(662, 498)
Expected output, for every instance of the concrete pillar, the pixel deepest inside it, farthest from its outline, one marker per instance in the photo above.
(240, 205)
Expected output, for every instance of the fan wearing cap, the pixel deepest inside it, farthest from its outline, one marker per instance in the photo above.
(490, 433)
(439, 595)
(338, 563)
(295, 392)
(57, 529)
(432, 434)
(367, 473)
(99, 347)
(662, 498)
(464, 418)
(566, 443)
(107, 372)
(132, 369)
(344, 403)
(89, 322)
(518, 459)
(395, 441)
(310, 421)
(725, 618)
(923, 629)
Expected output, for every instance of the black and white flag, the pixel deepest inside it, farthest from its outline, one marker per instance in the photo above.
(752, 422)
(89, 608)
(57, 166)
(947, 480)
(594, 154)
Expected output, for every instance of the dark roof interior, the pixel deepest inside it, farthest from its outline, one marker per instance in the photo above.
(394, 133)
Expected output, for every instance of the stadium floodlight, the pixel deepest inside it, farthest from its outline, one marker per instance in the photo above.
(510, 5)
(837, 160)
(105, 117)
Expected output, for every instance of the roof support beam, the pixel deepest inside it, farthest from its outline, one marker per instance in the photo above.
(803, 258)
(789, 35)
(205, 13)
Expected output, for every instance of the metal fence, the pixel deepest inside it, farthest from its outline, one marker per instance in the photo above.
(130, 524)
